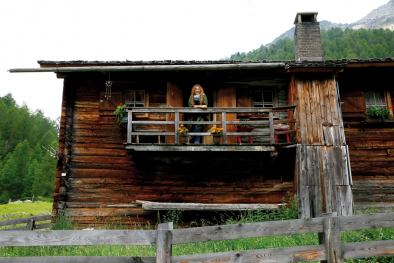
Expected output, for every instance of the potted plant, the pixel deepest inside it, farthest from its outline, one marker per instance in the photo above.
(184, 134)
(382, 113)
(217, 134)
(120, 113)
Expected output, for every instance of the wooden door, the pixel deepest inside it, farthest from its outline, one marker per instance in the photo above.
(353, 104)
(108, 106)
(174, 99)
(226, 97)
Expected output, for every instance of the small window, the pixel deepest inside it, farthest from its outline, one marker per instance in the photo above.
(375, 98)
(263, 98)
(135, 98)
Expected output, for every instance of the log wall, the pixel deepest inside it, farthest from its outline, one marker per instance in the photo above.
(371, 148)
(100, 172)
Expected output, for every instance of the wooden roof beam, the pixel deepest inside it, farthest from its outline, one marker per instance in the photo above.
(238, 66)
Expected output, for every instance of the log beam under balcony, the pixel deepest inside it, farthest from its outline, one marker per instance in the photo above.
(145, 147)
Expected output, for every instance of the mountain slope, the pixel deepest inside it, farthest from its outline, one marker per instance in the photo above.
(324, 25)
(381, 17)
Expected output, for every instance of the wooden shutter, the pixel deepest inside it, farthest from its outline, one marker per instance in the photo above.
(107, 107)
(353, 104)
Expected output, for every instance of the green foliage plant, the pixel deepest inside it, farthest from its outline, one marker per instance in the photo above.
(120, 112)
(174, 216)
(183, 131)
(242, 125)
(378, 112)
(63, 222)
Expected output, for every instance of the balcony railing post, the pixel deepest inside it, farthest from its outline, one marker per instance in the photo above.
(224, 126)
(176, 126)
(129, 126)
(272, 127)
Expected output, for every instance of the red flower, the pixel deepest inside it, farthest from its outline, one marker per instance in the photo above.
(370, 104)
(383, 108)
(121, 104)
(390, 108)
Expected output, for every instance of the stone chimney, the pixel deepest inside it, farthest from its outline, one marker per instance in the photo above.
(307, 39)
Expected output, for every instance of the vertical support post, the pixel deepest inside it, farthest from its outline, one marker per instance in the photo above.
(272, 127)
(331, 237)
(30, 224)
(176, 127)
(164, 243)
(129, 125)
(224, 126)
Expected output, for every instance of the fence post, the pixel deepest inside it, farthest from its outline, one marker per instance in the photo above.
(30, 224)
(129, 126)
(272, 127)
(224, 126)
(332, 239)
(164, 243)
(176, 127)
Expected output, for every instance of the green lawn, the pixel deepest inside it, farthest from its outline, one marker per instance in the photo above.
(22, 210)
(30, 209)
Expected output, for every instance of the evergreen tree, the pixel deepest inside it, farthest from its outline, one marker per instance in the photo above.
(336, 44)
(22, 163)
(8, 100)
(15, 170)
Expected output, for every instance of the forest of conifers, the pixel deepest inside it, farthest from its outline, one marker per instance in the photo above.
(336, 44)
(26, 169)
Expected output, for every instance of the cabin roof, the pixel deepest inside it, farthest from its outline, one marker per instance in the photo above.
(289, 63)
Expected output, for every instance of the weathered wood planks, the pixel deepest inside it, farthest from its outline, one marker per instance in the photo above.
(324, 180)
(77, 238)
(318, 112)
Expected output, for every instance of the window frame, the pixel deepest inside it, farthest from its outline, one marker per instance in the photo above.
(376, 104)
(262, 96)
(274, 101)
(387, 96)
(145, 101)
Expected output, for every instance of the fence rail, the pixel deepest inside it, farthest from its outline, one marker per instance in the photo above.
(270, 122)
(29, 221)
(329, 228)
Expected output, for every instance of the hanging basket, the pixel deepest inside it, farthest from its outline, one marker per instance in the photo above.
(216, 139)
(184, 138)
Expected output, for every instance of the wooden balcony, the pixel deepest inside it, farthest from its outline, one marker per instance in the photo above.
(263, 117)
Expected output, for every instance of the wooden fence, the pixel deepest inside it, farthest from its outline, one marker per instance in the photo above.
(29, 221)
(329, 228)
(269, 122)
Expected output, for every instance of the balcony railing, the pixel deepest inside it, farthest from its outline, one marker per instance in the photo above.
(266, 117)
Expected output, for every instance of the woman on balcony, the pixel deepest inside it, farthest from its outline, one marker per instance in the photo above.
(197, 99)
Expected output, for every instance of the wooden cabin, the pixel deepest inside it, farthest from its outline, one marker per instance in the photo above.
(308, 135)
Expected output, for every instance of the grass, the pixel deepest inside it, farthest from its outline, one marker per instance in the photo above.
(289, 212)
(23, 210)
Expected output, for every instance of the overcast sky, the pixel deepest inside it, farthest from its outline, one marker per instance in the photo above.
(140, 30)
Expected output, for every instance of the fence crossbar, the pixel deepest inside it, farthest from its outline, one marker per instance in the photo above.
(165, 237)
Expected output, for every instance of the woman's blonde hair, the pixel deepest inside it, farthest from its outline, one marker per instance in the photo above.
(201, 93)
